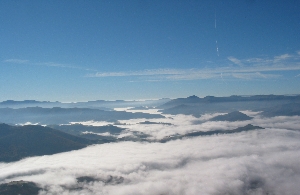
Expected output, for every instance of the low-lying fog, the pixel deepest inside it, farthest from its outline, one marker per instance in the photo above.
(264, 161)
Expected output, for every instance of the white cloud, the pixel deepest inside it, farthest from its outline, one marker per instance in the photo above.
(251, 68)
(282, 57)
(139, 73)
(254, 75)
(236, 61)
(49, 64)
(17, 61)
(93, 123)
(183, 124)
(279, 122)
(257, 162)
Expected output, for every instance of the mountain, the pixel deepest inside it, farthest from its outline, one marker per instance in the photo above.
(59, 115)
(141, 108)
(234, 98)
(291, 109)
(17, 142)
(76, 129)
(248, 127)
(181, 101)
(111, 180)
(196, 110)
(232, 116)
(97, 104)
(19, 188)
(196, 106)
(181, 109)
(31, 188)
(154, 123)
(93, 131)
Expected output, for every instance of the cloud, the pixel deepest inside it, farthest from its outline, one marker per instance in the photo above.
(138, 73)
(256, 162)
(49, 64)
(16, 61)
(254, 75)
(183, 124)
(251, 68)
(282, 57)
(279, 122)
(236, 61)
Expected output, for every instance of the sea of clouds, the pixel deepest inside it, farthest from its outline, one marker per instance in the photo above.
(256, 162)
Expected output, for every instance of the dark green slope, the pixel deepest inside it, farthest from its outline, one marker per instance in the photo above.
(248, 127)
(19, 187)
(77, 129)
(17, 142)
(232, 116)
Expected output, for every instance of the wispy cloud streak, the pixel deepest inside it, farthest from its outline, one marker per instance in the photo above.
(252, 68)
(17, 61)
(49, 64)
(235, 61)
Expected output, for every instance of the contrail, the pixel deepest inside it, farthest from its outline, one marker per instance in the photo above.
(217, 47)
(215, 19)
(216, 33)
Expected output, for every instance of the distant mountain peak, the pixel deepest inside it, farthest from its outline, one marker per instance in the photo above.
(193, 97)
(209, 96)
(232, 116)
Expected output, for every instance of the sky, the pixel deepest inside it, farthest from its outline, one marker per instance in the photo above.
(147, 49)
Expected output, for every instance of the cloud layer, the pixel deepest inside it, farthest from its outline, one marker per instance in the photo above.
(183, 124)
(255, 162)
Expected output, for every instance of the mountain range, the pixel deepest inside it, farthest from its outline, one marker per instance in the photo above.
(59, 115)
(248, 127)
(232, 116)
(97, 104)
(271, 105)
(17, 142)
(192, 100)
(91, 132)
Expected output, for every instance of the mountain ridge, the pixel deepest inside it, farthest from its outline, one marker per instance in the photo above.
(232, 116)
(17, 142)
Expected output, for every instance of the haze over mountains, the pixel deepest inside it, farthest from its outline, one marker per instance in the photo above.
(267, 103)
(100, 104)
(58, 115)
(169, 148)
(270, 105)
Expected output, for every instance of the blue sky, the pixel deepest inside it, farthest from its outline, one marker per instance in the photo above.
(144, 49)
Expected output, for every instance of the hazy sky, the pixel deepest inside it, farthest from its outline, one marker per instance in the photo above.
(141, 49)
